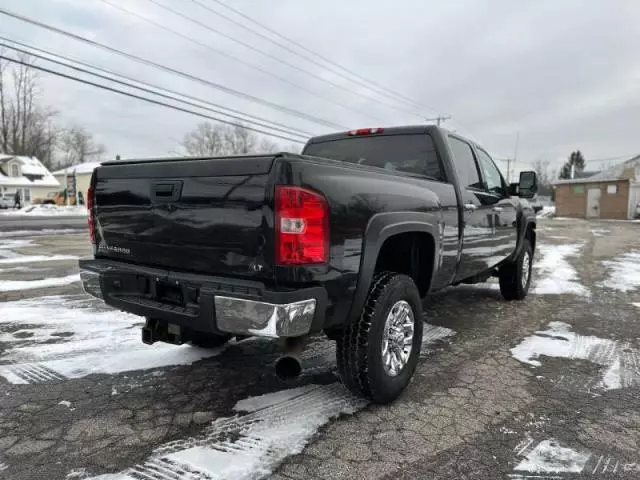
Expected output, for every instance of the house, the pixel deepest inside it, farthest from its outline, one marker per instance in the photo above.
(27, 176)
(78, 174)
(612, 193)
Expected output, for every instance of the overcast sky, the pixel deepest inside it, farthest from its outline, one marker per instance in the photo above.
(564, 74)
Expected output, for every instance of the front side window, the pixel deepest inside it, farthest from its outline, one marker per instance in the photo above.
(490, 173)
(465, 164)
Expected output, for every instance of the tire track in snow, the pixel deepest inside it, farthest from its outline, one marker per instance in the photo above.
(251, 445)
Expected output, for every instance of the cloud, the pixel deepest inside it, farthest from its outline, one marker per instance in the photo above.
(563, 74)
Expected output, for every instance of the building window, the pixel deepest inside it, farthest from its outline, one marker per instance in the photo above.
(26, 194)
(578, 189)
(15, 170)
(612, 189)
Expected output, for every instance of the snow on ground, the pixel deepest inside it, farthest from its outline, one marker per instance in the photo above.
(600, 232)
(267, 429)
(249, 446)
(15, 285)
(61, 337)
(18, 258)
(636, 305)
(619, 359)
(38, 233)
(9, 257)
(549, 456)
(555, 275)
(547, 212)
(623, 272)
(49, 211)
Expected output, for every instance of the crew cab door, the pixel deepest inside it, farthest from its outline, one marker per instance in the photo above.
(478, 213)
(505, 235)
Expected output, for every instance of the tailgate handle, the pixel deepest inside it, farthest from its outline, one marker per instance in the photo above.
(166, 191)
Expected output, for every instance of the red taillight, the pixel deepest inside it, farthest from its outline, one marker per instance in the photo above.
(365, 131)
(91, 221)
(302, 226)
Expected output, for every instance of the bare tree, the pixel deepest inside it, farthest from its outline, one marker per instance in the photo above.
(78, 146)
(545, 176)
(26, 127)
(210, 139)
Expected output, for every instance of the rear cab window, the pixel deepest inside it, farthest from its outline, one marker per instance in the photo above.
(410, 153)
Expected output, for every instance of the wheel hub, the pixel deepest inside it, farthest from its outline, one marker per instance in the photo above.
(397, 341)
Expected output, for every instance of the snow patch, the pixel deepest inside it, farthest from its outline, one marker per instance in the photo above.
(549, 456)
(38, 233)
(49, 211)
(619, 359)
(15, 285)
(12, 244)
(250, 446)
(65, 403)
(3, 466)
(17, 258)
(547, 212)
(624, 272)
(555, 274)
(636, 305)
(253, 404)
(63, 338)
(600, 232)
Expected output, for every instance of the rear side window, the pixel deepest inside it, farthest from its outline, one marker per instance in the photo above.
(411, 153)
(465, 164)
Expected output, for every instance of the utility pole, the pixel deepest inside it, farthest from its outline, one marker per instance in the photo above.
(439, 119)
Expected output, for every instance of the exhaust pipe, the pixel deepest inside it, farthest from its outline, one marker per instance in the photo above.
(288, 368)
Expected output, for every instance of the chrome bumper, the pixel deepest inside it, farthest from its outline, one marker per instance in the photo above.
(274, 315)
(248, 317)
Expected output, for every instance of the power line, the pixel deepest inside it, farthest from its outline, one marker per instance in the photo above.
(146, 99)
(363, 81)
(229, 56)
(287, 130)
(285, 47)
(171, 70)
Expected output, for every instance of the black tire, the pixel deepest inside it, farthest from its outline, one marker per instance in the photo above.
(513, 285)
(208, 340)
(359, 349)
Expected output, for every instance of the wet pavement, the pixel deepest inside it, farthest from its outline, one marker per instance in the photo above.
(80, 396)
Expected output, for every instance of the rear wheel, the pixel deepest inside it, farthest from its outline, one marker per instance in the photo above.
(515, 276)
(208, 340)
(378, 354)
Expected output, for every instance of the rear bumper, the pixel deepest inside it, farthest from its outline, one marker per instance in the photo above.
(208, 304)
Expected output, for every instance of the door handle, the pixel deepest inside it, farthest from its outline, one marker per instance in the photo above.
(497, 209)
(470, 207)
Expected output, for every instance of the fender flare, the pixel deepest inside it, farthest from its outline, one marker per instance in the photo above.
(381, 227)
(526, 222)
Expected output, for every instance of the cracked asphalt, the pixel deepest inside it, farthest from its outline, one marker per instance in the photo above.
(473, 411)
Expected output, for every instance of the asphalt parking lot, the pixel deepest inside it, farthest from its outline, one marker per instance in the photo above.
(547, 388)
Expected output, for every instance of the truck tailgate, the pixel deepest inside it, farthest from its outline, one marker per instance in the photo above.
(206, 215)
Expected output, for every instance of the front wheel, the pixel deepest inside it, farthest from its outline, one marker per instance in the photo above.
(515, 276)
(378, 353)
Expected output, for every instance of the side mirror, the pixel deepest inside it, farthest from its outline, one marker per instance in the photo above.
(528, 185)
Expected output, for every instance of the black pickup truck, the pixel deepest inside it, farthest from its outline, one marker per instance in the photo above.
(347, 238)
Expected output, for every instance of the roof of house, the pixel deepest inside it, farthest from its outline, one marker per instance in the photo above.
(29, 167)
(585, 174)
(611, 174)
(80, 169)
